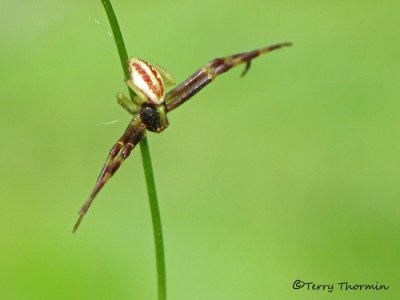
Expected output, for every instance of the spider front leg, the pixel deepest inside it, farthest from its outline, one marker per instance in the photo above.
(209, 72)
(118, 153)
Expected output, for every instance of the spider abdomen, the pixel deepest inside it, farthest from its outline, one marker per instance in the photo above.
(146, 80)
(154, 117)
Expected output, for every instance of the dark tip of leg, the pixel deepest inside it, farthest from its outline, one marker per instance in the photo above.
(277, 46)
(246, 68)
(78, 223)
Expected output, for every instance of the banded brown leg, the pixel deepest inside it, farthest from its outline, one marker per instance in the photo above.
(117, 148)
(209, 72)
(131, 137)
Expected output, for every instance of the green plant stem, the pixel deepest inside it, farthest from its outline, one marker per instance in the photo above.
(146, 160)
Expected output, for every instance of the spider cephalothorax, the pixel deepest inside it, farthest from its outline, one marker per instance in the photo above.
(151, 105)
(154, 117)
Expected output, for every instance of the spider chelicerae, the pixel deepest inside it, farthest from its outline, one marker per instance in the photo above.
(151, 105)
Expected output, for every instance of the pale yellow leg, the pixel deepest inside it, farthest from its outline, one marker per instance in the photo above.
(168, 79)
(127, 104)
(140, 98)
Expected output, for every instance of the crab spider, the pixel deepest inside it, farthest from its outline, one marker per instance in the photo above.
(151, 104)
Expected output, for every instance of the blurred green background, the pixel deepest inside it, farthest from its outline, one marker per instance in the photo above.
(289, 173)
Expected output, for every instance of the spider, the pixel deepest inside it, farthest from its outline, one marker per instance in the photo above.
(151, 104)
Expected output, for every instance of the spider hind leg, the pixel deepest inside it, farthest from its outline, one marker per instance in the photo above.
(126, 102)
(166, 76)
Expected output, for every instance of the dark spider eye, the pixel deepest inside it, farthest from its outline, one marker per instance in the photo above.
(154, 117)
